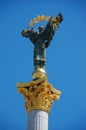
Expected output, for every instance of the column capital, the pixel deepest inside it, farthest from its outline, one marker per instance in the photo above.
(39, 94)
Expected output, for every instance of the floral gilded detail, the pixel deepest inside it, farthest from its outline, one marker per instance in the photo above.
(38, 94)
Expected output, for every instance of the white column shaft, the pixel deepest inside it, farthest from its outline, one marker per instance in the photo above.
(37, 120)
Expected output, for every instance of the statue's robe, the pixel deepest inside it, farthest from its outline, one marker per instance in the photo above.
(41, 41)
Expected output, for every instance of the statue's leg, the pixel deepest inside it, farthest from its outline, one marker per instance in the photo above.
(43, 58)
(40, 60)
(43, 62)
(36, 63)
(37, 58)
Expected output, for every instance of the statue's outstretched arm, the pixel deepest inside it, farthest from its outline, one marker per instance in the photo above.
(51, 28)
(49, 32)
(30, 34)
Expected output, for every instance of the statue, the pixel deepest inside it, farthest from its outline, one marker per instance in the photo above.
(41, 39)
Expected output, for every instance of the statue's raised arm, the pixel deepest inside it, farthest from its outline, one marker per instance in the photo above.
(51, 27)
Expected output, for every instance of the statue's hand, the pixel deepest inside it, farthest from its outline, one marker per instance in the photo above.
(24, 33)
(58, 19)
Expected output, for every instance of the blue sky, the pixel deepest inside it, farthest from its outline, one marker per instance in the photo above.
(66, 62)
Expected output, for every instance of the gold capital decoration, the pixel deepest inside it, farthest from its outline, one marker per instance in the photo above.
(39, 94)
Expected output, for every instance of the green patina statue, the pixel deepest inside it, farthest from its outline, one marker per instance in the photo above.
(41, 39)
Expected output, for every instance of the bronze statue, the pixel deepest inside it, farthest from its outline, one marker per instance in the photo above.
(41, 39)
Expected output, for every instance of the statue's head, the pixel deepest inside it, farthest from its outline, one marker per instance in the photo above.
(40, 29)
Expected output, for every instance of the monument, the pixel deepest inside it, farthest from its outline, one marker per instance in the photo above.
(39, 94)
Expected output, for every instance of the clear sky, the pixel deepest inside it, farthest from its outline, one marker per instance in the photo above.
(66, 62)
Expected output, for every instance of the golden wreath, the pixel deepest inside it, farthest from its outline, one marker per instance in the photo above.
(38, 19)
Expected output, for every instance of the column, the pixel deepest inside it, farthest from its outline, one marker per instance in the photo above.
(37, 120)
